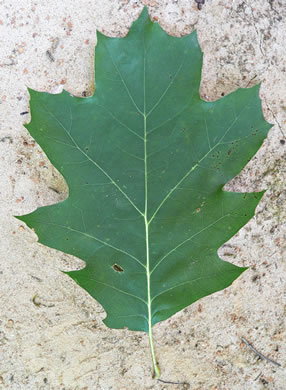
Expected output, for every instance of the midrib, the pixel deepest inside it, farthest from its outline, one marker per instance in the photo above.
(149, 301)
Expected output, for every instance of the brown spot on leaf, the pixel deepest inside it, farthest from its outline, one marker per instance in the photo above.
(117, 268)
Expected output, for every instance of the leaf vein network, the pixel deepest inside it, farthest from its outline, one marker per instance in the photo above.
(99, 240)
(96, 164)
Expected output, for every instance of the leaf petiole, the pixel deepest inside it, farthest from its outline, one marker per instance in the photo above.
(156, 368)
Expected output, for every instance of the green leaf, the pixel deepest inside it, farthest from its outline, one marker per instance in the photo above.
(146, 160)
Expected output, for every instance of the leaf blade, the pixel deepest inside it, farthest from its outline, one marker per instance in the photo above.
(145, 160)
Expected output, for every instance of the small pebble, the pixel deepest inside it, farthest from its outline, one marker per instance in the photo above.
(10, 324)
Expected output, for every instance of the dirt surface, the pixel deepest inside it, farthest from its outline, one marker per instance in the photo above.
(51, 331)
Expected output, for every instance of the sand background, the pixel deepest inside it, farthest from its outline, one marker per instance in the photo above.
(51, 331)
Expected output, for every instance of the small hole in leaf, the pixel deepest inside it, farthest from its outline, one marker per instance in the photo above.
(255, 132)
(86, 149)
(117, 268)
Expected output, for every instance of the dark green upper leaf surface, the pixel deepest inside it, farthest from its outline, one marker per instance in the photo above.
(146, 144)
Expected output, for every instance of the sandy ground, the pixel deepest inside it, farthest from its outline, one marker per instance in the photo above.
(51, 331)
